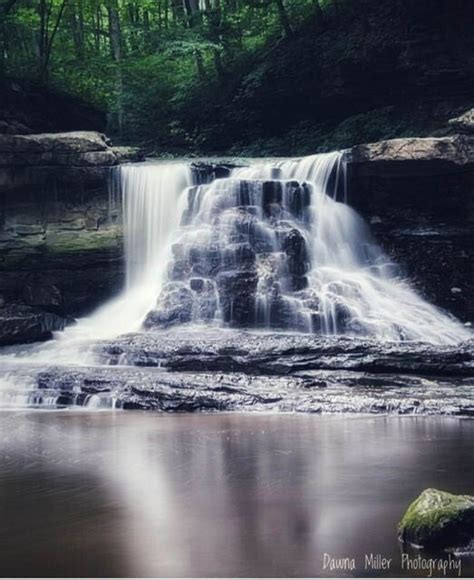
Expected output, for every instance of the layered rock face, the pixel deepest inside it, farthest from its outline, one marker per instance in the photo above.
(418, 197)
(241, 256)
(60, 230)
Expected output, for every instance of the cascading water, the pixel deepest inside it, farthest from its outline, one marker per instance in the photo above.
(152, 198)
(357, 288)
(272, 246)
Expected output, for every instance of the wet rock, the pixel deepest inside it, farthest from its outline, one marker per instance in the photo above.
(47, 296)
(205, 302)
(294, 245)
(282, 313)
(255, 232)
(175, 306)
(238, 257)
(19, 324)
(128, 154)
(180, 304)
(179, 270)
(272, 197)
(204, 260)
(237, 297)
(205, 172)
(286, 354)
(438, 520)
(197, 284)
(319, 391)
(299, 199)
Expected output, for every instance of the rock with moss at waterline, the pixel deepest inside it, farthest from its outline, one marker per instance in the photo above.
(438, 520)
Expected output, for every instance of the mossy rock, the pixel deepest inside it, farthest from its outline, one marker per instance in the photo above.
(74, 242)
(438, 520)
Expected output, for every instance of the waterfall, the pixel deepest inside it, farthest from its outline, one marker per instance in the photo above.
(152, 196)
(275, 245)
(359, 290)
(272, 246)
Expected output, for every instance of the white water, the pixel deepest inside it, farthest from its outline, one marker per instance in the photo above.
(153, 201)
(349, 269)
(153, 197)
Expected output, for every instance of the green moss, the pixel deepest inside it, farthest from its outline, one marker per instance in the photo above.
(438, 518)
(72, 242)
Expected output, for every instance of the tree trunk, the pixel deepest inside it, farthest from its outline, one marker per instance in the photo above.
(200, 65)
(77, 26)
(116, 51)
(285, 21)
(46, 37)
(4, 44)
(218, 64)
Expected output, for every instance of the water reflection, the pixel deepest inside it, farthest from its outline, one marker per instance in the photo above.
(136, 494)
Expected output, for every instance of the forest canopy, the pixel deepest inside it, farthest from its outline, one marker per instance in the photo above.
(219, 74)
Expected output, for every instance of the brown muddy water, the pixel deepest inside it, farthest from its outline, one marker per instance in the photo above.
(86, 493)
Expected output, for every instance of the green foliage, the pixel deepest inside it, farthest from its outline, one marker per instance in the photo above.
(143, 60)
(263, 76)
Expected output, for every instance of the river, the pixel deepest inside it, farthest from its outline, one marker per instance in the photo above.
(113, 493)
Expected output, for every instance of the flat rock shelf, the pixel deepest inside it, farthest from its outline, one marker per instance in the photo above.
(188, 370)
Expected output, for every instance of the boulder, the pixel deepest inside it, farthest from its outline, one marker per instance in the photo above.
(294, 245)
(205, 172)
(464, 123)
(57, 158)
(19, 324)
(128, 154)
(175, 306)
(438, 520)
(71, 142)
(414, 155)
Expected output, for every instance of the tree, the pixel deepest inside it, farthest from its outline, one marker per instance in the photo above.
(285, 21)
(115, 37)
(50, 15)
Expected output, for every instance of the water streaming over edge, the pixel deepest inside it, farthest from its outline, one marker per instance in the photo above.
(348, 269)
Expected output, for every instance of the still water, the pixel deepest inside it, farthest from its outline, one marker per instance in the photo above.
(137, 494)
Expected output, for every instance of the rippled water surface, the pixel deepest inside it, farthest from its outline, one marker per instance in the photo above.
(137, 494)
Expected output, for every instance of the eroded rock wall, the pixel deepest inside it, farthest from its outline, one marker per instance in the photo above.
(64, 236)
(418, 197)
(61, 236)
(61, 247)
